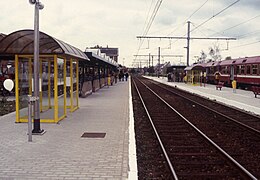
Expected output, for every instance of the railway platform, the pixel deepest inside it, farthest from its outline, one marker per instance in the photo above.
(106, 152)
(241, 99)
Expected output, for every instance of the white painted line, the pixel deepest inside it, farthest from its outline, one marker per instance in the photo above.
(132, 173)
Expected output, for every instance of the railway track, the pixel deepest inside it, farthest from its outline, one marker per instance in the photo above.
(241, 117)
(189, 152)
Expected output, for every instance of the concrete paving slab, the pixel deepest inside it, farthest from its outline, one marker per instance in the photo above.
(61, 153)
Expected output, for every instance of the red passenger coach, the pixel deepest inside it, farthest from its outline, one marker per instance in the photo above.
(246, 71)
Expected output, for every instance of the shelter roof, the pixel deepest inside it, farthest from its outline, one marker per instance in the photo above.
(95, 57)
(22, 42)
(196, 67)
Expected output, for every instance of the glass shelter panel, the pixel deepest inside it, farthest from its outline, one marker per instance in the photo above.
(68, 102)
(60, 86)
(24, 85)
(75, 84)
(46, 89)
(51, 88)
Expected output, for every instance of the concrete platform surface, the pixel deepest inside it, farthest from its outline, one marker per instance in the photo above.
(61, 153)
(241, 99)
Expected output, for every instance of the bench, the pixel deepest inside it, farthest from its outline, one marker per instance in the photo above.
(219, 85)
(256, 90)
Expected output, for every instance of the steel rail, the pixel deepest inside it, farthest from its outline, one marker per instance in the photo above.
(205, 136)
(221, 114)
(157, 135)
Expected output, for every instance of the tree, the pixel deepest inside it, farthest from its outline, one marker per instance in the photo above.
(214, 52)
(202, 57)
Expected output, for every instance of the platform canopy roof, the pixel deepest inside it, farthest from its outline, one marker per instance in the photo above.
(97, 59)
(196, 67)
(22, 42)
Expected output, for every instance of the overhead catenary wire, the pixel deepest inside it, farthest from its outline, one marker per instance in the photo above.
(239, 24)
(215, 15)
(147, 15)
(185, 21)
(242, 45)
(196, 11)
(152, 17)
(248, 34)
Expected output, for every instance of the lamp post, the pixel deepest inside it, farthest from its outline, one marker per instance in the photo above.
(36, 124)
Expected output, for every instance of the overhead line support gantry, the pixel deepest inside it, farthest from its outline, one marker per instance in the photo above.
(188, 38)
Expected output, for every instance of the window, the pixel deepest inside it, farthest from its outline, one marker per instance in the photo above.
(248, 69)
(242, 69)
(244, 61)
(237, 69)
(225, 70)
(211, 70)
(254, 68)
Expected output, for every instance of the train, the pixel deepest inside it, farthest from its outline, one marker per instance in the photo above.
(246, 71)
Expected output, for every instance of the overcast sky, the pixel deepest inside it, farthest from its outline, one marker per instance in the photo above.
(116, 23)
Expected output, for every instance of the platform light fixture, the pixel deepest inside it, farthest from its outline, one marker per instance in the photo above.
(38, 6)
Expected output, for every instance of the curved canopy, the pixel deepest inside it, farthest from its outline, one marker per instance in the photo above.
(195, 67)
(22, 42)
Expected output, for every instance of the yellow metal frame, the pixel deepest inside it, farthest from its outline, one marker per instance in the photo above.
(56, 104)
(17, 89)
(65, 86)
(72, 107)
(49, 83)
(193, 77)
(77, 82)
(71, 85)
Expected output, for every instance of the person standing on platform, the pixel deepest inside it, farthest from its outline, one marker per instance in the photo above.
(217, 78)
(126, 76)
(121, 75)
(234, 85)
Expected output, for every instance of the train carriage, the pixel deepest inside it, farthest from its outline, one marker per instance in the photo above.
(246, 71)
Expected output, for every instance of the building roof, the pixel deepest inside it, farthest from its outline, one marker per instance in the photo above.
(109, 51)
(22, 42)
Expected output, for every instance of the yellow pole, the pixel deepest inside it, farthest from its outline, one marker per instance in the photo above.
(56, 104)
(192, 76)
(17, 89)
(71, 85)
(77, 82)
(49, 83)
(65, 86)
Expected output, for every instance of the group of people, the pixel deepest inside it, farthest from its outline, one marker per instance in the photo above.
(175, 77)
(123, 76)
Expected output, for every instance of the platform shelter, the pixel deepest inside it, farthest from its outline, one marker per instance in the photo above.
(195, 73)
(96, 73)
(58, 78)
